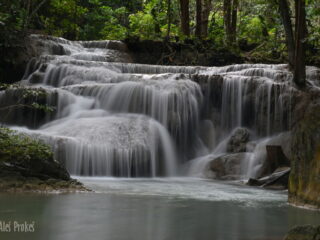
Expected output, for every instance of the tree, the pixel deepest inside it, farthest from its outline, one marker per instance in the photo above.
(32, 7)
(198, 18)
(169, 18)
(287, 24)
(299, 76)
(185, 20)
(206, 9)
(230, 9)
(295, 42)
(203, 8)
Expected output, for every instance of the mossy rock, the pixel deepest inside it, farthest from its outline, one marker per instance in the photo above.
(306, 232)
(23, 157)
(28, 165)
(304, 181)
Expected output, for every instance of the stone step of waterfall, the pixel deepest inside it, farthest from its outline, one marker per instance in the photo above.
(113, 117)
(125, 145)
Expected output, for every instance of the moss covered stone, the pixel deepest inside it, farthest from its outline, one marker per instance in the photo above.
(28, 165)
(306, 232)
(29, 157)
(304, 181)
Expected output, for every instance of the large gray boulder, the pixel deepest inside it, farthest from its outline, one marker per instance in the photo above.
(229, 167)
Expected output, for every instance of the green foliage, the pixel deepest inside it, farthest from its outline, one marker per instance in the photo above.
(4, 86)
(258, 22)
(113, 29)
(252, 30)
(63, 18)
(43, 107)
(152, 23)
(143, 26)
(313, 11)
(11, 21)
(216, 29)
(87, 20)
(29, 97)
(21, 148)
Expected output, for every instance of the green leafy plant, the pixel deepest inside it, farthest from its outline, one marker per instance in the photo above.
(19, 147)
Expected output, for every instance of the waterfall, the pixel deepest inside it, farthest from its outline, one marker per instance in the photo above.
(117, 118)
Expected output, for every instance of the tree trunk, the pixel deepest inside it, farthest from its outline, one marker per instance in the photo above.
(301, 29)
(233, 27)
(230, 9)
(295, 43)
(169, 19)
(185, 20)
(198, 18)
(205, 17)
(286, 20)
(227, 18)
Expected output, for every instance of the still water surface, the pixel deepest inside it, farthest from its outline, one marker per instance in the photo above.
(157, 209)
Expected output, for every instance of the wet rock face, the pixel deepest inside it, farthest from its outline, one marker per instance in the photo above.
(44, 169)
(14, 59)
(306, 232)
(304, 182)
(170, 53)
(238, 140)
(25, 106)
(275, 159)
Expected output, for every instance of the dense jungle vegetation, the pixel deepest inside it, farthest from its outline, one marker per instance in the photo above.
(273, 31)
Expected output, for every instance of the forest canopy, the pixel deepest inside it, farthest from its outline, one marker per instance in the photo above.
(252, 26)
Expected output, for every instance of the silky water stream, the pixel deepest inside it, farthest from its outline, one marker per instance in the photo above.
(142, 136)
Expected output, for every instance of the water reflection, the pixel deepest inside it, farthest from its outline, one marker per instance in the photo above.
(116, 216)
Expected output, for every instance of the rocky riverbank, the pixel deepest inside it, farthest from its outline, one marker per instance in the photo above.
(27, 165)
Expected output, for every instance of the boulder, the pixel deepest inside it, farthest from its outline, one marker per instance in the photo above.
(268, 155)
(238, 140)
(228, 167)
(304, 181)
(22, 156)
(283, 140)
(306, 232)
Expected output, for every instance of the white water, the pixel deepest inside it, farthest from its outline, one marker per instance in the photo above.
(184, 188)
(116, 118)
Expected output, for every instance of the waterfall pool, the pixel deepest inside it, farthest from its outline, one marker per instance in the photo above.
(157, 209)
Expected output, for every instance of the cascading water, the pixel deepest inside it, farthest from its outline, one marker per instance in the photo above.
(116, 118)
